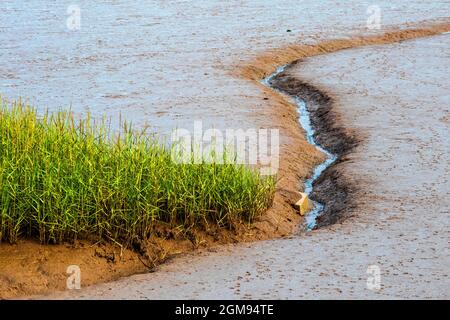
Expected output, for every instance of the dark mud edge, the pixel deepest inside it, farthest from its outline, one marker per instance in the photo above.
(332, 188)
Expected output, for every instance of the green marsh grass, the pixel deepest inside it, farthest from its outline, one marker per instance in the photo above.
(63, 179)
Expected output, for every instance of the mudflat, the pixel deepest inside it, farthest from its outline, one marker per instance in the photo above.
(166, 65)
(396, 97)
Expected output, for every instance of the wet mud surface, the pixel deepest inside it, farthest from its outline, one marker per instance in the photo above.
(166, 65)
(331, 188)
(396, 98)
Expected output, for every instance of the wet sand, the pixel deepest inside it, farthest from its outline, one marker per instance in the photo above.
(397, 98)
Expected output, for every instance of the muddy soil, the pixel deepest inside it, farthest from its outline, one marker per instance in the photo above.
(331, 188)
(162, 66)
(397, 98)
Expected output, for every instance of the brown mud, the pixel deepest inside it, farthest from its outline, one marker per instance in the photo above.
(397, 96)
(30, 268)
(331, 188)
(298, 157)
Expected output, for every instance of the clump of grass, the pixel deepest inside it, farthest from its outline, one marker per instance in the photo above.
(64, 179)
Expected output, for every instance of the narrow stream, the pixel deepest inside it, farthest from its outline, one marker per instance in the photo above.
(305, 122)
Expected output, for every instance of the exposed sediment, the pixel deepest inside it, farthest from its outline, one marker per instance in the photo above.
(401, 222)
(267, 62)
(297, 160)
(330, 189)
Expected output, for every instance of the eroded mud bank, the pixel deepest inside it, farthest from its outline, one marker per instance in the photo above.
(297, 160)
(294, 164)
(330, 190)
(399, 102)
